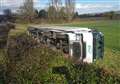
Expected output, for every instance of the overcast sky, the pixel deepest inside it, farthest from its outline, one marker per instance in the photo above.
(82, 6)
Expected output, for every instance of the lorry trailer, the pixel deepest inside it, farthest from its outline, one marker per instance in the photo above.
(81, 44)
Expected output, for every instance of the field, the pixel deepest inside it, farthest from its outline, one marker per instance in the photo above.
(49, 59)
(111, 30)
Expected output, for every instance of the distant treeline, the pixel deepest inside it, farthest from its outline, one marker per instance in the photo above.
(54, 16)
(106, 15)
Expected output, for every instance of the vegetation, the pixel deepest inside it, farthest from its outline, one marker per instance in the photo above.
(54, 12)
(27, 12)
(24, 61)
(110, 28)
(27, 63)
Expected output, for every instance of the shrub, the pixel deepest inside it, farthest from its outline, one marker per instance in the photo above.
(28, 63)
(84, 73)
(2, 73)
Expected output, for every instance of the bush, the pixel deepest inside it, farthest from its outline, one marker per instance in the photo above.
(28, 63)
(84, 73)
(2, 73)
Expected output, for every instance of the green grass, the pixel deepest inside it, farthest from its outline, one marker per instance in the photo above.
(20, 28)
(111, 30)
(2, 56)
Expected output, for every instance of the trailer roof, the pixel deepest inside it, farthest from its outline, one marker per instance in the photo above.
(63, 28)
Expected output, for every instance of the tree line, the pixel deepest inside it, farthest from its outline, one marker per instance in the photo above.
(55, 10)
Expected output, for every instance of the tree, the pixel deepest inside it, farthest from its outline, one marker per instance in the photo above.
(57, 4)
(57, 11)
(52, 13)
(27, 10)
(63, 14)
(36, 13)
(76, 15)
(70, 8)
(42, 14)
(111, 14)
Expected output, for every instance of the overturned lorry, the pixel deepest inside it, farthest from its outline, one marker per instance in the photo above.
(82, 44)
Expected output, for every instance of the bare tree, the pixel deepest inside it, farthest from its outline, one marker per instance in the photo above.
(63, 14)
(57, 4)
(52, 13)
(70, 8)
(27, 10)
(54, 8)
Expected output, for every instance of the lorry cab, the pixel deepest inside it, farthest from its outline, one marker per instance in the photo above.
(81, 46)
(86, 44)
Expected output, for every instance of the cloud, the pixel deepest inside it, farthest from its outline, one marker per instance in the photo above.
(36, 0)
(89, 6)
(11, 3)
(16, 3)
(83, 8)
